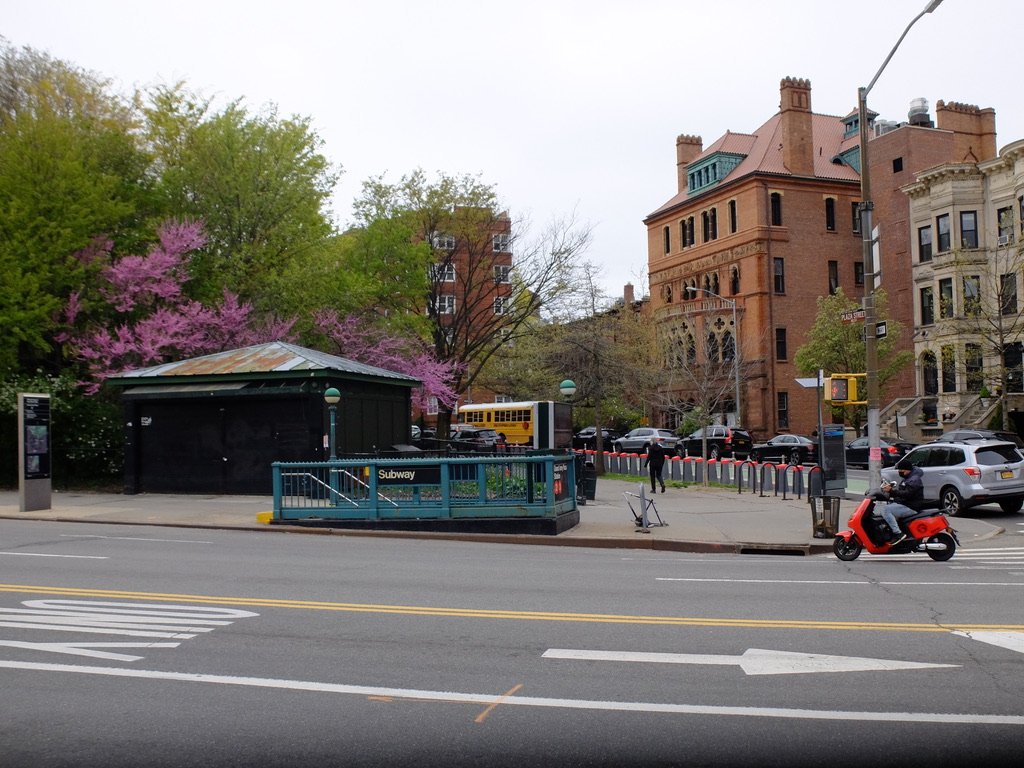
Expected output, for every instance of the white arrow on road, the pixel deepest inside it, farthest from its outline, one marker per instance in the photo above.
(753, 661)
(1013, 641)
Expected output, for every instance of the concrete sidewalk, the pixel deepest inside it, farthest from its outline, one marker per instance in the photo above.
(697, 519)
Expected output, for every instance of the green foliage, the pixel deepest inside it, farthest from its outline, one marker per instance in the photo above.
(87, 439)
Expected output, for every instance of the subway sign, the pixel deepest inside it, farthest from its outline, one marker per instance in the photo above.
(406, 475)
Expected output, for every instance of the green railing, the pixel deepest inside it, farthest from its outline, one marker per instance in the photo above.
(425, 488)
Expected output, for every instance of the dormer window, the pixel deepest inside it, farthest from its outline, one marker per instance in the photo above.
(710, 170)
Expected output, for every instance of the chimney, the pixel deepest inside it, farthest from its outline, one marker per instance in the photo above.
(974, 130)
(688, 149)
(627, 295)
(797, 133)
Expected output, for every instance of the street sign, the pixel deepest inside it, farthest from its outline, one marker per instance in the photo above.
(853, 316)
(880, 330)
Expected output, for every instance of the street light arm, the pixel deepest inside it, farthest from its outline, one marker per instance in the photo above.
(932, 5)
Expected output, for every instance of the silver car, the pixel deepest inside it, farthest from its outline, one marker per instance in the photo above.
(958, 476)
(637, 440)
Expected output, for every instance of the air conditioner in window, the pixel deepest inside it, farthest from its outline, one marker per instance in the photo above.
(1004, 239)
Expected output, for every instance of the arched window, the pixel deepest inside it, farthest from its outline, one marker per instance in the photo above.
(714, 353)
(728, 347)
(668, 293)
(734, 281)
(691, 349)
(714, 283)
(929, 374)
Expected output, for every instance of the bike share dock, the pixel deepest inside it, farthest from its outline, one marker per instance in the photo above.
(532, 494)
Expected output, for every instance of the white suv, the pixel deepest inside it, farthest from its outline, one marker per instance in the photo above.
(958, 476)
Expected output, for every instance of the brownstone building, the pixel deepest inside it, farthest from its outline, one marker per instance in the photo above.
(765, 223)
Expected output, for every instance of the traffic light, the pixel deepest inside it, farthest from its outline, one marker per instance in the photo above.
(841, 389)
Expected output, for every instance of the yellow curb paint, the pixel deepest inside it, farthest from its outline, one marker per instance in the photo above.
(264, 518)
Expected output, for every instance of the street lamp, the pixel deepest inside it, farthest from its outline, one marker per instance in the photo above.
(735, 345)
(331, 397)
(567, 388)
(866, 206)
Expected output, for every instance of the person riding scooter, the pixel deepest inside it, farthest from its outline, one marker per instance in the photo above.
(905, 498)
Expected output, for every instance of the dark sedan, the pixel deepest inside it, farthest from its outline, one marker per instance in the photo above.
(786, 449)
(892, 451)
(586, 438)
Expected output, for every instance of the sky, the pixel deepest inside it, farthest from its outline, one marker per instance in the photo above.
(570, 108)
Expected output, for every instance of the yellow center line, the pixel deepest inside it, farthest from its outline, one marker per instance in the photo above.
(487, 613)
(501, 699)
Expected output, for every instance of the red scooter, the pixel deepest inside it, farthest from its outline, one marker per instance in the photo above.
(927, 531)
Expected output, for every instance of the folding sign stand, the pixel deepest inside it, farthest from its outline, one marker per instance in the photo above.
(641, 520)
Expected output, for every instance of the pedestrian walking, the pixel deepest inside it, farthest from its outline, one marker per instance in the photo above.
(656, 453)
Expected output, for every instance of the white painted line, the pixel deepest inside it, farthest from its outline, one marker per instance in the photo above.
(860, 583)
(133, 538)
(922, 718)
(87, 649)
(1014, 641)
(40, 554)
(753, 661)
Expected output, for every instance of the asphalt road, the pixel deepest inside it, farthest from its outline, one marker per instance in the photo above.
(172, 647)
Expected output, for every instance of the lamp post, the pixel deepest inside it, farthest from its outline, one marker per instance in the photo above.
(736, 342)
(331, 397)
(866, 206)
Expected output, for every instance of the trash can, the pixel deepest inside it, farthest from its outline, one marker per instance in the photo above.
(825, 516)
(589, 480)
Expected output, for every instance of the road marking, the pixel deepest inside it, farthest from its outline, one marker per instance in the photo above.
(40, 554)
(484, 613)
(87, 649)
(1014, 641)
(753, 661)
(846, 583)
(455, 697)
(490, 707)
(132, 538)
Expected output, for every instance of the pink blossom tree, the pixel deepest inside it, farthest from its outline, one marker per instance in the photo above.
(153, 321)
(359, 341)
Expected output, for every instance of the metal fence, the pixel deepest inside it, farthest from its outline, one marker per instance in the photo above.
(371, 488)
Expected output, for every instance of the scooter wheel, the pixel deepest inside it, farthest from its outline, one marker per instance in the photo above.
(848, 549)
(941, 555)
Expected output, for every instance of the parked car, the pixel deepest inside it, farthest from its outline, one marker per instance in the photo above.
(783, 449)
(637, 440)
(586, 438)
(964, 475)
(416, 433)
(959, 435)
(469, 438)
(892, 451)
(721, 441)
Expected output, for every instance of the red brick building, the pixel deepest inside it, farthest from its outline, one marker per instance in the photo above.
(766, 222)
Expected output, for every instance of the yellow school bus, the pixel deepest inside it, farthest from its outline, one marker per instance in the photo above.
(535, 423)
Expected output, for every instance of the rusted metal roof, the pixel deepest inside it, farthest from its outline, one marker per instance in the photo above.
(273, 358)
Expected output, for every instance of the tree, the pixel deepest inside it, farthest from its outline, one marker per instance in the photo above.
(156, 321)
(69, 171)
(834, 346)
(486, 282)
(259, 182)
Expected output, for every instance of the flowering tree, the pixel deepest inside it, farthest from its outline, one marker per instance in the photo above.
(357, 341)
(155, 322)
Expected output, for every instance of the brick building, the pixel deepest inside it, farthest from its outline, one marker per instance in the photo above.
(765, 223)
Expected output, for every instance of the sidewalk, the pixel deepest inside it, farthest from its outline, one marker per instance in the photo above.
(697, 519)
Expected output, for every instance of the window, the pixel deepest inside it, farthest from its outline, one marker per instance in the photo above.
(855, 207)
(1008, 293)
(1020, 213)
(972, 295)
(897, 164)
(502, 273)
(705, 227)
(830, 214)
(728, 347)
(946, 297)
(782, 410)
(973, 367)
(443, 242)
(504, 399)
(776, 199)
(691, 236)
(858, 273)
(682, 233)
(501, 305)
(442, 273)
(948, 369)
(927, 306)
(1004, 220)
(733, 222)
(502, 243)
(942, 228)
(968, 229)
(930, 373)
(445, 304)
(781, 352)
(432, 408)
(734, 281)
(833, 277)
(668, 239)
(924, 243)
(713, 216)
(779, 275)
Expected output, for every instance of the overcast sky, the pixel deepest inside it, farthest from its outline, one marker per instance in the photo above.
(563, 105)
